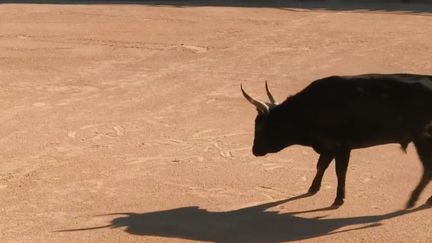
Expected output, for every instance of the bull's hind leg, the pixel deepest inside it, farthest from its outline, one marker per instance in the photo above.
(323, 163)
(342, 159)
(424, 150)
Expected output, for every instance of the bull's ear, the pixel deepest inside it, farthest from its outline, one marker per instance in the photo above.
(261, 106)
(262, 112)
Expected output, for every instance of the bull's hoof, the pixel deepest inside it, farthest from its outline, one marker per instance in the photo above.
(313, 190)
(410, 204)
(429, 202)
(337, 203)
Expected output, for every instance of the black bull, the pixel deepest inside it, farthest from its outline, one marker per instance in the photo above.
(336, 114)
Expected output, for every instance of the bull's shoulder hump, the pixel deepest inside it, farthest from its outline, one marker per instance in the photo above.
(372, 80)
(403, 79)
(326, 83)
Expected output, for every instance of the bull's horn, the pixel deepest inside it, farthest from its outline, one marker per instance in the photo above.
(270, 96)
(261, 106)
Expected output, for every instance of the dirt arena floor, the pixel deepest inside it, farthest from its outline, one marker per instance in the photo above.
(125, 123)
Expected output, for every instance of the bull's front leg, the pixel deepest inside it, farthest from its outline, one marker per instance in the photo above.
(323, 162)
(342, 159)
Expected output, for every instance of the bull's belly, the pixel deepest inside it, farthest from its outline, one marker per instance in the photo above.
(331, 143)
(375, 142)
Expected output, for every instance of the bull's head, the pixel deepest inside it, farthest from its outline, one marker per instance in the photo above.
(268, 136)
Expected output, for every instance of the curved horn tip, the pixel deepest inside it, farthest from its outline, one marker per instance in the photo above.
(241, 87)
(261, 106)
(270, 96)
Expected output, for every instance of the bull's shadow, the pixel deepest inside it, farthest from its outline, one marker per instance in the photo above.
(396, 6)
(251, 224)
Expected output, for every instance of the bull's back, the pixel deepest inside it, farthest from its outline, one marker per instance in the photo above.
(368, 109)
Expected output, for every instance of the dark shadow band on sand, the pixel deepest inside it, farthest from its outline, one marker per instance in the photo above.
(400, 6)
(250, 224)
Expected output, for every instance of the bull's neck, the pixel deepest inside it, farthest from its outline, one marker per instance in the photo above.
(288, 121)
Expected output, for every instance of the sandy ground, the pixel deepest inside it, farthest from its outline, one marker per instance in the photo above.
(125, 123)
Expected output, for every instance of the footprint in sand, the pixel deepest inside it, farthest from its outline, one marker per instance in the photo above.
(39, 104)
(72, 134)
(270, 192)
(195, 49)
(120, 131)
(269, 166)
(100, 131)
(203, 132)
